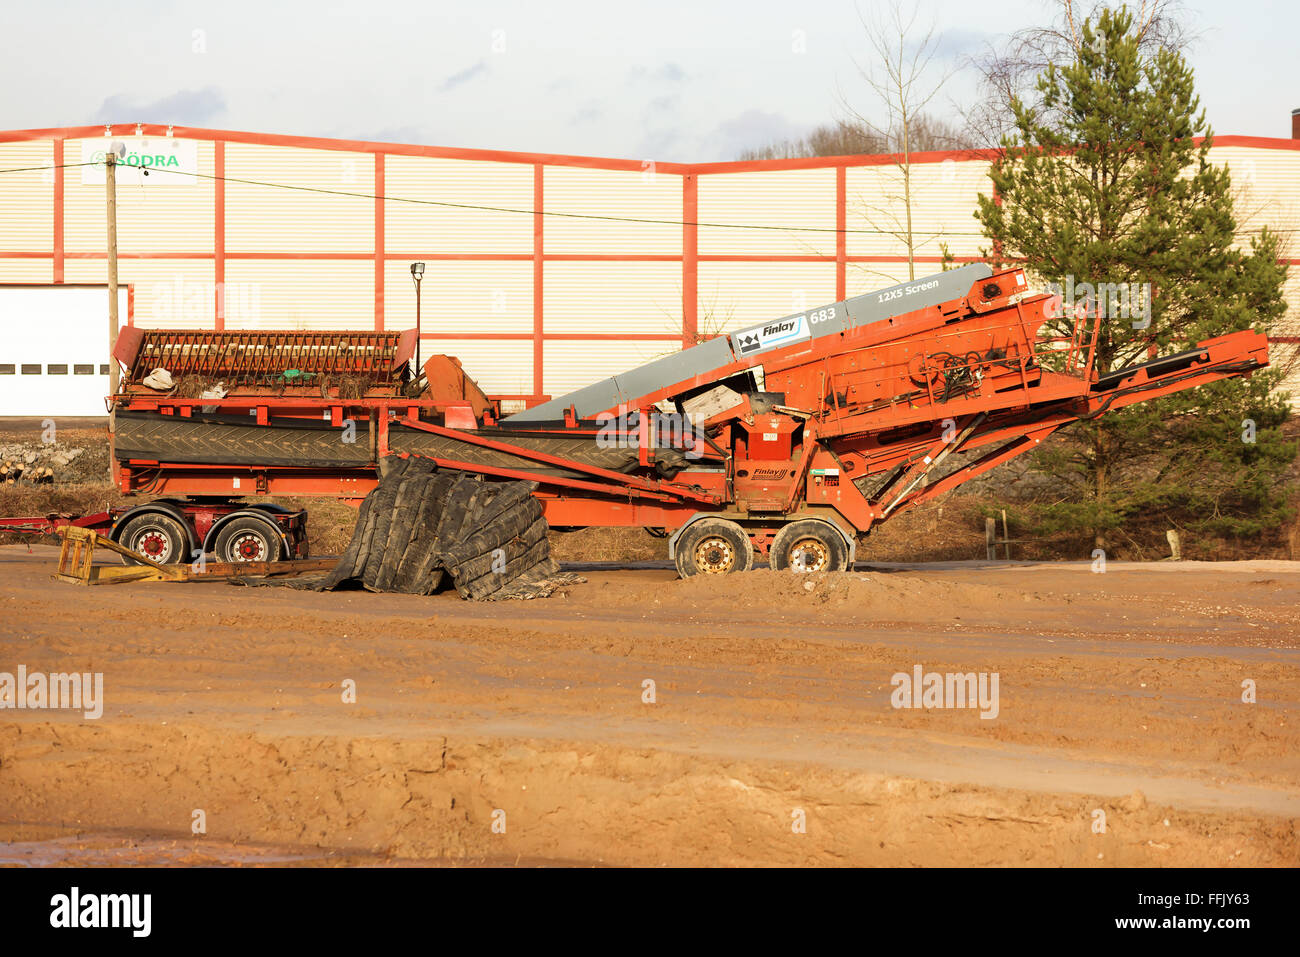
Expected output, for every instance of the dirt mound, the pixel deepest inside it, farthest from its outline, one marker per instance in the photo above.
(436, 797)
(844, 591)
(643, 720)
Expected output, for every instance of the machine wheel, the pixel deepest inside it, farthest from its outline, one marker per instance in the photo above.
(714, 546)
(809, 547)
(247, 540)
(158, 537)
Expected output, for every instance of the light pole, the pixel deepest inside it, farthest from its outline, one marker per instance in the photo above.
(417, 273)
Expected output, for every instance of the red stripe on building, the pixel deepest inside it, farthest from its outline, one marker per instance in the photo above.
(690, 260)
(367, 256)
(485, 257)
(560, 336)
(352, 146)
(219, 230)
(841, 231)
(562, 159)
(612, 257)
(539, 268)
(58, 210)
(379, 242)
(508, 257)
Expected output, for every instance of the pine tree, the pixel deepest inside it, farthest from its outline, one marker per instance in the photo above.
(1104, 182)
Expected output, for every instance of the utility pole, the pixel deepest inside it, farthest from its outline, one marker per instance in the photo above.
(110, 183)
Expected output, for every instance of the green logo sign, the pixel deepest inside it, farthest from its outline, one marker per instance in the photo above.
(143, 160)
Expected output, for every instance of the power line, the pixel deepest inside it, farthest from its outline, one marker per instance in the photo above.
(544, 212)
(494, 209)
(36, 169)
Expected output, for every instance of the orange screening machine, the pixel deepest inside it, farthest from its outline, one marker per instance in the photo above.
(789, 439)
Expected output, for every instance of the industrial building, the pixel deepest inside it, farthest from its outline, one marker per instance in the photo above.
(542, 272)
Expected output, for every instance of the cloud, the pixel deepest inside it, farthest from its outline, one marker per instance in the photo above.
(392, 134)
(464, 76)
(749, 130)
(184, 107)
(661, 144)
(664, 73)
(589, 112)
(670, 73)
(957, 44)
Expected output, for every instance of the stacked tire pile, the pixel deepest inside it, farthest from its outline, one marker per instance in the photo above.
(421, 527)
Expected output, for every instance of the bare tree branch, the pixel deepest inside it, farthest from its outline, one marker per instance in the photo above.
(1009, 70)
(902, 76)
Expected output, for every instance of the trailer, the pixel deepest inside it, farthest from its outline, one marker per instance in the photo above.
(170, 530)
(789, 440)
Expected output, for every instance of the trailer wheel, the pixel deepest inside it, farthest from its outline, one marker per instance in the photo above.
(247, 540)
(809, 547)
(714, 546)
(158, 537)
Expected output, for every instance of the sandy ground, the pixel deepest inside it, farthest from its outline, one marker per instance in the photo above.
(1120, 698)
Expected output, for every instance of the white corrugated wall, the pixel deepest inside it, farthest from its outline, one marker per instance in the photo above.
(175, 217)
(649, 195)
(943, 199)
(26, 198)
(423, 227)
(499, 366)
(480, 270)
(300, 294)
(314, 216)
(737, 294)
(460, 295)
(799, 203)
(609, 297)
(166, 293)
(570, 365)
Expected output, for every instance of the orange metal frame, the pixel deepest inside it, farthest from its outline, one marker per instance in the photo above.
(862, 403)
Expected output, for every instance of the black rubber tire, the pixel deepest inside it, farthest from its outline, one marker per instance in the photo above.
(248, 539)
(158, 536)
(809, 546)
(713, 546)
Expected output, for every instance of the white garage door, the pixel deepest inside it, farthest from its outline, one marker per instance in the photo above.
(54, 349)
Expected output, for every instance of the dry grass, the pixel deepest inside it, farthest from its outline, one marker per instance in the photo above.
(329, 527)
(22, 499)
(608, 545)
(947, 530)
(329, 523)
(952, 530)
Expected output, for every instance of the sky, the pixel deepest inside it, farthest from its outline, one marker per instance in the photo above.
(668, 80)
